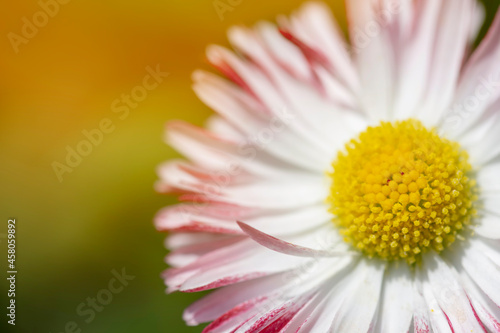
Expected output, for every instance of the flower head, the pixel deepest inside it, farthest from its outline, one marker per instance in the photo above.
(343, 187)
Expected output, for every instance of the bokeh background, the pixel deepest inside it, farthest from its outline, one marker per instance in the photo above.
(72, 233)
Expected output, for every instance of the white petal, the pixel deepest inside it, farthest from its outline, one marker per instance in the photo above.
(251, 264)
(300, 287)
(375, 57)
(236, 317)
(450, 44)
(397, 300)
(490, 248)
(275, 319)
(357, 312)
(282, 246)
(305, 102)
(488, 178)
(487, 311)
(488, 149)
(437, 318)
(289, 222)
(327, 284)
(186, 218)
(482, 270)
(449, 295)
(416, 56)
(314, 26)
(491, 202)
(175, 277)
(222, 218)
(335, 90)
(179, 240)
(277, 133)
(479, 85)
(284, 52)
(323, 309)
(231, 93)
(307, 111)
(256, 297)
(488, 225)
(305, 313)
(224, 129)
(224, 299)
(213, 152)
(421, 320)
(257, 193)
(190, 254)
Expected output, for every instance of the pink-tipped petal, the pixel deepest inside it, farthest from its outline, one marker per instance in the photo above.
(449, 295)
(478, 88)
(282, 246)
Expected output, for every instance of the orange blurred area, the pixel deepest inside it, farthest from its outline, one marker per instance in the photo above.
(65, 77)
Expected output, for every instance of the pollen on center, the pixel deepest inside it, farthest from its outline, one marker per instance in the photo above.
(399, 190)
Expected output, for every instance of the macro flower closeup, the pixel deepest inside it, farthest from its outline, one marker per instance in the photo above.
(345, 184)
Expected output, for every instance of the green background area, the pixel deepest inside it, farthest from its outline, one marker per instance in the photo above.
(72, 233)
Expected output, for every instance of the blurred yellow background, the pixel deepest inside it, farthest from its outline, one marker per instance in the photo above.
(75, 228)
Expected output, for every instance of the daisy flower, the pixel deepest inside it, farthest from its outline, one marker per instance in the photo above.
(343, 186)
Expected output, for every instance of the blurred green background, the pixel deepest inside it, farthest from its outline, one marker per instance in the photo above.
(72, 232)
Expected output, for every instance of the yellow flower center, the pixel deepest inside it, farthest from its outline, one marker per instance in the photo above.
(400, 189)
